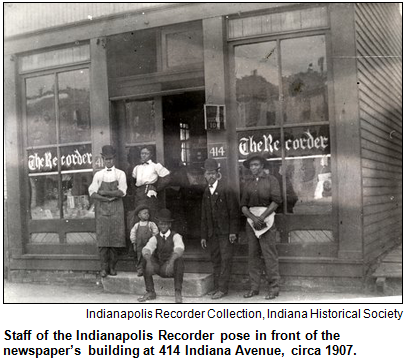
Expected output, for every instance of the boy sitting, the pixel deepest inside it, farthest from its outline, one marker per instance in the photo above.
(163, 256)
(141, 233)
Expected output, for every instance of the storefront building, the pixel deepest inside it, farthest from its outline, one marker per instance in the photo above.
(316, 86)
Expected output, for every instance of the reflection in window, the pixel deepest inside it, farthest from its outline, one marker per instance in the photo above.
(40, 110)
(44, 197)
(140, 119)
(257, 91)
(74, 106)
(311, 180)
(76, 201)
(304, 80)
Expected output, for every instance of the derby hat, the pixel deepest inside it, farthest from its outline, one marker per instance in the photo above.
(211, 165)
(108, 151)
(140, 208)
(164, 215)
(255, 156)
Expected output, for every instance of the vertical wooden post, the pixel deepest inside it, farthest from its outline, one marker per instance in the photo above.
(14, 228)
(99, 96)
(215, 84)
(347, 127)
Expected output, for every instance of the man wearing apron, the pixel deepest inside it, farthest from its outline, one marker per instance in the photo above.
(108, 188)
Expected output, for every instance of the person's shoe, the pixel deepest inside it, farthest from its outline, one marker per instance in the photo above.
(218, 295)
(272, 294)
(140, 273)
(178, 297)
(147, 296)
(113, 272)
(251, 293)
(212, 292)
(103, 273)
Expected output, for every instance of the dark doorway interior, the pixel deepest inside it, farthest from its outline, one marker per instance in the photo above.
(185, 149)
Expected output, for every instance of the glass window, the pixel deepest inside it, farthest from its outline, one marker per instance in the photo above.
(299, 156)
(44, 197)
(140, 119)
(76, 200)
(40, 110)
(257, 84)
(74, 106)
(304, 80)
(60, 164)
(58, 57)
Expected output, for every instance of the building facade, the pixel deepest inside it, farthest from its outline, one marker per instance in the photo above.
(315, 86)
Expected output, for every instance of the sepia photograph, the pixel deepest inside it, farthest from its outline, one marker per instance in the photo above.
(202, 153)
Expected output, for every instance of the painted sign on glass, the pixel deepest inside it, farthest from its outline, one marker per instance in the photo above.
(71, 158)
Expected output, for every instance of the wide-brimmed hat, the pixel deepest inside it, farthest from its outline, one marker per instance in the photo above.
(164, 215)
(211, 165)
(108, 151)
(255, 156)
(140, 208)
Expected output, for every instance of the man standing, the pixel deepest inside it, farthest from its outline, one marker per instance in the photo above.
(163, 256)
(261, 197)
(219, 227)
(150, 178)
(108, 188)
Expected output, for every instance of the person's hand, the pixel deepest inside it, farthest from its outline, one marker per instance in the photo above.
(169, 268)
(232, 238)
(110, 199)
(102, 193)
(203, 243)
(258, 223)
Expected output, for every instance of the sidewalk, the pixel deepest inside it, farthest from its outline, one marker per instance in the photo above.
(49, 293)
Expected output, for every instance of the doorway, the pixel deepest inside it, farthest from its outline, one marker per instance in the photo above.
(185, 149)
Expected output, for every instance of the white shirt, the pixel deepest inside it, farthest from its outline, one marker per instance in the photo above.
(152, 227)
(108, 176)
(178, 246)
(213, 187)
(148, 173)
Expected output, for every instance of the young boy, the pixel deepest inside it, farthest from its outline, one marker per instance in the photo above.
(141, 233)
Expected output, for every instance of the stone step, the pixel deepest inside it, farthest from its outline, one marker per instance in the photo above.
(194, 284)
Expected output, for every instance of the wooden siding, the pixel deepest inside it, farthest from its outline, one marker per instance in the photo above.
(379, 68)
(22, 18)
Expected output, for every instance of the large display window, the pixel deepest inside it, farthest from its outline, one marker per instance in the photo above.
(58, 148)
(281, 89)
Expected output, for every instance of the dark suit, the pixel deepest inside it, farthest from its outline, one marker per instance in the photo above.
(220, 219)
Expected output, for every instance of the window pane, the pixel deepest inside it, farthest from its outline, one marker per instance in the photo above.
(44, 238)
(40, 110)
(304, 80)
(74, 106)
(76, 158)
(257, 82)
(76, 201)
(44, 197)
(55, 58)
(140, 119)
(310, 179)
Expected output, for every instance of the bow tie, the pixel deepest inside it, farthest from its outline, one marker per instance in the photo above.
(145, 163)
(109, 169)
